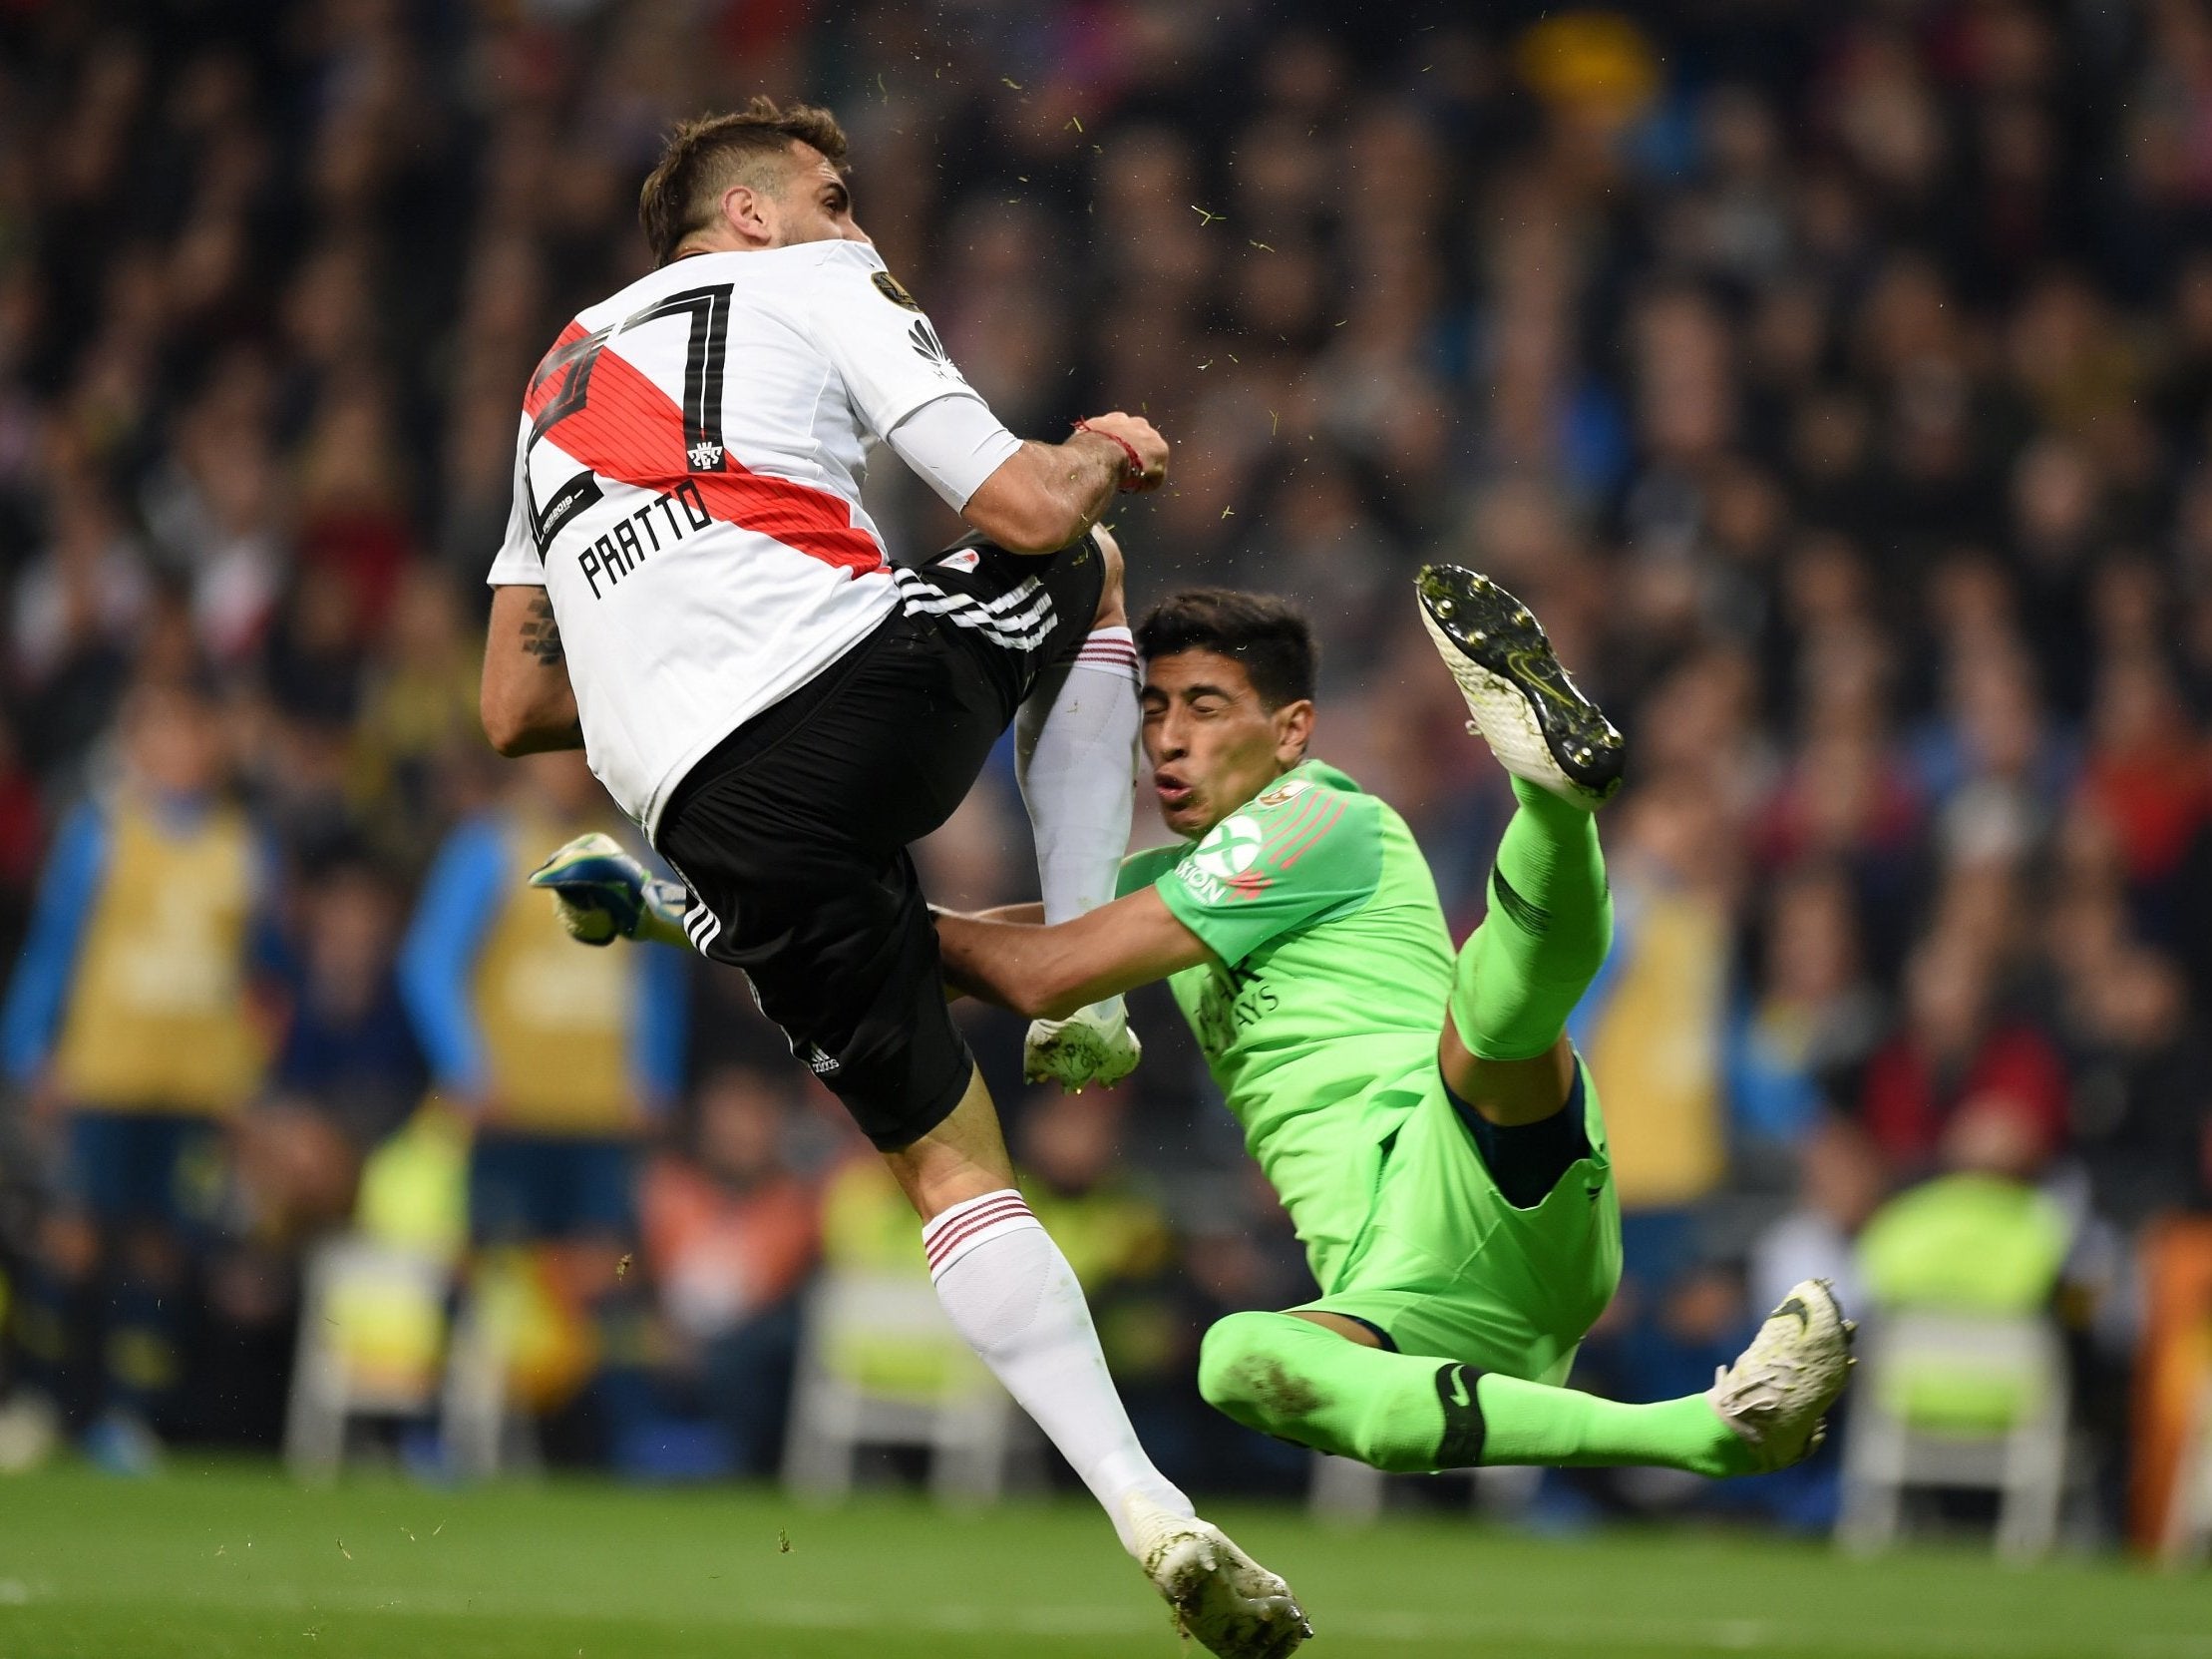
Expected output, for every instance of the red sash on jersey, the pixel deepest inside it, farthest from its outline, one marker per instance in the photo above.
(630, 431)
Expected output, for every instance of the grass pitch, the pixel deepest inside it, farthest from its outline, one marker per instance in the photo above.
(235, 1561)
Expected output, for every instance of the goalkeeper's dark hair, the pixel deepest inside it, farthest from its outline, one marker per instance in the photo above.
(1266, 633)
(704, 158)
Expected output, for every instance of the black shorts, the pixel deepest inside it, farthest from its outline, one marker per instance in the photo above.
(792, 833)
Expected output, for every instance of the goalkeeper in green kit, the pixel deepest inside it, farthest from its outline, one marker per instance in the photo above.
(1433, 1135)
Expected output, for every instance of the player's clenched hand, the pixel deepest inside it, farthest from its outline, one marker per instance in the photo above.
(1141, 437)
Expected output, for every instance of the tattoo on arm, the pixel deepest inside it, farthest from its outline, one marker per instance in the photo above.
(542, 635)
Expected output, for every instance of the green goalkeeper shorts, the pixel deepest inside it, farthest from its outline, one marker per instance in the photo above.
(1444, 1266)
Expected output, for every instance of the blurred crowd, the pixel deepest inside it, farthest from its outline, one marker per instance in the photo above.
(1835, 382)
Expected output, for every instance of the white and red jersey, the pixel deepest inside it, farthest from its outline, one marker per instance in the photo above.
(688, 490)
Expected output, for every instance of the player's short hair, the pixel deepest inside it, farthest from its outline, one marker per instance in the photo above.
(703, 158)
(1266, 633)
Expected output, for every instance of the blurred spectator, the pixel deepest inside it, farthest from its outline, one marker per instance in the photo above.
(2141, 1095)
(1993, 766)
(1652, 1027)
(1652, 1024)
(348, 1046)
(1978, 1235)
(22, 842)
(1980, 1239)
(130, 1023)
(731, 1233)
(1800, 1032)
(1957, 1050)
(2174, 1366)
(557, 1053)
(2142, 773)
(418, 719)
(1115, 1233)
(347, 1072)
(1843, 1183)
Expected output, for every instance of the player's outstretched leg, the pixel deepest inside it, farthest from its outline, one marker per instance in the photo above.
(1011, 1295)
(1301, 1382)
(1075, 755)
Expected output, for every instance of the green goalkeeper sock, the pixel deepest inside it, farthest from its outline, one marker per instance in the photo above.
(1300, 1382)
(1528, 1422)
(1550, 925)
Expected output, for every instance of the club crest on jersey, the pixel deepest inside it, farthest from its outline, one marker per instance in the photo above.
(965, 560)
(706, 457)
(1286, 791)
(893, 291)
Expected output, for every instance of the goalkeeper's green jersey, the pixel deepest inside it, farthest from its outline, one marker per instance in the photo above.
(1321, 1014)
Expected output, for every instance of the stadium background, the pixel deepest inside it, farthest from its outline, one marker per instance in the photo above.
(1835, 382)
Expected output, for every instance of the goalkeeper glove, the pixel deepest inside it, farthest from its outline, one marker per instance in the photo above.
(600, 892)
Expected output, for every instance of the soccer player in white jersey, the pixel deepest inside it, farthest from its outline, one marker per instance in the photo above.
(691, 591)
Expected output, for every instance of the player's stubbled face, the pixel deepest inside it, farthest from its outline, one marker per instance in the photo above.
(815, 204)
(1212, 742)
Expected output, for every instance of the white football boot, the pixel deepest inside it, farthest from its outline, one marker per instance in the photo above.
(1088, 1046)
(1777, 1394)
(1525, 705)
(1223, 1599)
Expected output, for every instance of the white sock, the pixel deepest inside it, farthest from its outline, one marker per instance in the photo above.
(1013, 1298)
(1075, 752)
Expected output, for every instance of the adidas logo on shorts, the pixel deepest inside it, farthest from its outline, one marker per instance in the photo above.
(819, 1063)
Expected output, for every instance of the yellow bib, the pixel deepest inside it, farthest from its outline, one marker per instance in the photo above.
(1657, 1044)
(158, 1016)
(557, 1017)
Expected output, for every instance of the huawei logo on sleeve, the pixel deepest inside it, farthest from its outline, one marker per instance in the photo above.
(930, 349)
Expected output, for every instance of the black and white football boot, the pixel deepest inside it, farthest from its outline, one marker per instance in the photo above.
(1525, 705)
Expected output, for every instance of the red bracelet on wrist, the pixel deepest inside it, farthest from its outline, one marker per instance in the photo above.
(1135, 473)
